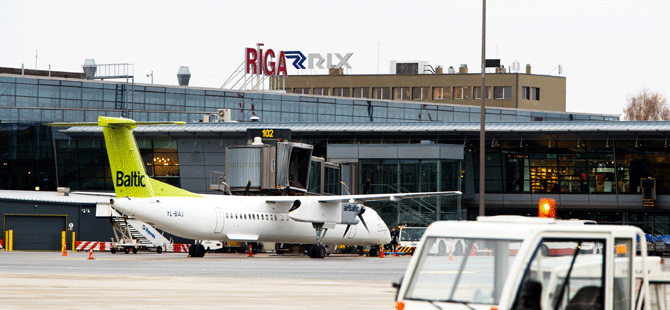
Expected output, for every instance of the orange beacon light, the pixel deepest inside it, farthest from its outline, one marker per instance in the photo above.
(547, 208)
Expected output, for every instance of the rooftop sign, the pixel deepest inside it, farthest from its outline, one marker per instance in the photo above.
(264, 62)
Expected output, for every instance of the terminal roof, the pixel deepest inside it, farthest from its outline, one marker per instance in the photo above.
(470, 130)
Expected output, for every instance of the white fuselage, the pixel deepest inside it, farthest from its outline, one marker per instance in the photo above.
(246, 218)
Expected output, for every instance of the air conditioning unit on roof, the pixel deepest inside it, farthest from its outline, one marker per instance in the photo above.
(223, 115)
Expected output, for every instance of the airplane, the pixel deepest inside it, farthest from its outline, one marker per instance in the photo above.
(317, 220)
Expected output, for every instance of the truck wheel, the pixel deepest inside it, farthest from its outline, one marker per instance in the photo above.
(544, 250)
(126, 250)
(441, 248)
(134, 250)
(459, 249)
(113, 250)
(159, 250)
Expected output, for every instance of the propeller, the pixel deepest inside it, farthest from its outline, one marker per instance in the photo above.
(246, 190)
(360, 217)
(366, 187)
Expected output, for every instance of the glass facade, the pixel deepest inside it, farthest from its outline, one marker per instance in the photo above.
(32, 99)
(573, 167)
(593, 167)
(378, 176)
(26, 157)
(84, 165)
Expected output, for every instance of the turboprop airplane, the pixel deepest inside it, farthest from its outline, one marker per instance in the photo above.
(314, 220)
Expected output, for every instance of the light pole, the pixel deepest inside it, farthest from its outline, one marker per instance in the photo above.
(482, 119)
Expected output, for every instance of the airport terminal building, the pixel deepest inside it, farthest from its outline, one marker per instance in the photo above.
(592, 165)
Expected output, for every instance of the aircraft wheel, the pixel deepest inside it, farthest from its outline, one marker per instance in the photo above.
(126, 250)
(159, 250)
(191, 250)
(199, 250)
(310, 251)
(320, 251)
(279, 249)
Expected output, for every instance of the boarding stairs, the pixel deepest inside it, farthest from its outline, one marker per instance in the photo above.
(130, 232)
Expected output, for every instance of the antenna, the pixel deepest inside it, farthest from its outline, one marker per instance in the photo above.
(377, 57)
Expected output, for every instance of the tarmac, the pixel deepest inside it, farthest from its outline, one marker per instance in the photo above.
(48, 280)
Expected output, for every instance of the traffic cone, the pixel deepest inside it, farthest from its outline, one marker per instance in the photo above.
(395, 249)
(451, 253)
(90, 254)
(64, 251)
(472, 251)
(251, 252)
(381, 252)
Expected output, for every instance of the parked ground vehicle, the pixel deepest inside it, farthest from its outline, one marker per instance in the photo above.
(586, 267)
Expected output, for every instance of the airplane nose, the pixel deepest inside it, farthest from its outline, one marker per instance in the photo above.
(386, 236)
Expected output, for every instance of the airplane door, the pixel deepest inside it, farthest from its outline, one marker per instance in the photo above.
(219, 220)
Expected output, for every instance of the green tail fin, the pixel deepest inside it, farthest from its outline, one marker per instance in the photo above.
(128, 173)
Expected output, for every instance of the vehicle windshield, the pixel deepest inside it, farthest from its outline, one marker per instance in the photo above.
(411, 233)
(462, 270)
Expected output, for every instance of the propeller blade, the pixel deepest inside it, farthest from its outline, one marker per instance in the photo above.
(246, 190)
(363, 221)
(366, 187)
(345, 231)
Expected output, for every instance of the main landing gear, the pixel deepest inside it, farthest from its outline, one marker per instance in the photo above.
(196, 250)
(318, 250)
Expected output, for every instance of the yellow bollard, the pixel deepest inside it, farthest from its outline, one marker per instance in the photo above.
(63, 240)
(73, 243)
(11, 240)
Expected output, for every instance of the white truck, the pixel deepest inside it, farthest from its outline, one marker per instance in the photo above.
(533, 263)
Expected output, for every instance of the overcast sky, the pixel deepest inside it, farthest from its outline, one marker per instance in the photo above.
(608, 49)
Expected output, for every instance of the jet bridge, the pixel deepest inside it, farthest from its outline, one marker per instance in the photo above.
(258, 168)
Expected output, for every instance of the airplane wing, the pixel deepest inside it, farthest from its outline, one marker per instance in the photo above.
(363, 198)
(390, 196)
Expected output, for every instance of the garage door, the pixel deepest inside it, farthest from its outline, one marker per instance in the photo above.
(36, 232)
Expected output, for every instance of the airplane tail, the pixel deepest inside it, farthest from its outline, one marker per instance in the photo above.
(128, 173)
